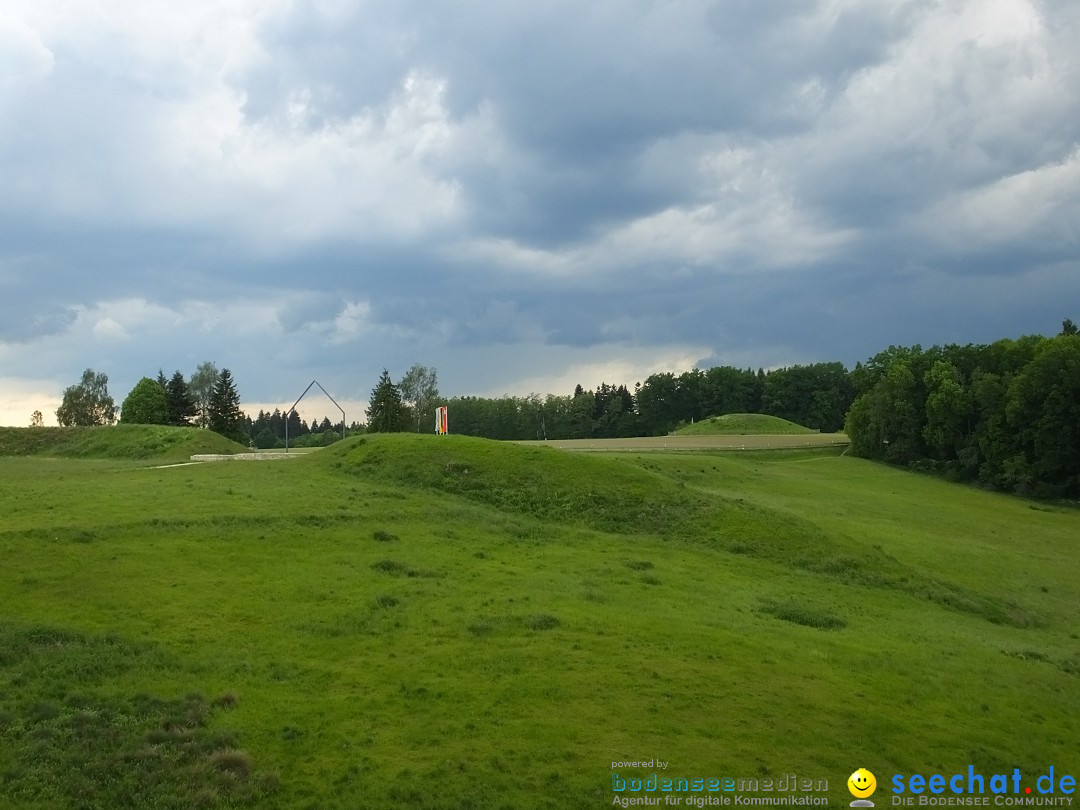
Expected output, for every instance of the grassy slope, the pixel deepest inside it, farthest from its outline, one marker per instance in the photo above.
(117, 441)
(403, 633)
(742, 424)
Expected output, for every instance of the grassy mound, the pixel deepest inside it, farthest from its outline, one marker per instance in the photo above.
(119, 441)
(742, 424)
(539, 482)
(611, 495)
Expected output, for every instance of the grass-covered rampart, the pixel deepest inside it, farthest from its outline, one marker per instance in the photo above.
(743, 424)
(114, 441)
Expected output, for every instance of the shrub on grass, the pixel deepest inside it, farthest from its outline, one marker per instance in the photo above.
(542, 621)
(234, 761)
(390, 567)
(226, 700)
(803, 615)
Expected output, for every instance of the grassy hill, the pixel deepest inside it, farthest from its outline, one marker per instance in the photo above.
(115, 442)
(742, 424)
(442, 622)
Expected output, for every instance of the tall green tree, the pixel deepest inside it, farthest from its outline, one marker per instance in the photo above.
(419, 390)
(885, 421)
(201, 387)
(948, 410)
(657, 405)
(88, 402)
(386, 413)
(223, 412)
(181, 405)
(146, 404)
(295, 427)
(1043, 409)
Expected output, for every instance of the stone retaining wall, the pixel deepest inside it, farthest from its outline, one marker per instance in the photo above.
(271, 456)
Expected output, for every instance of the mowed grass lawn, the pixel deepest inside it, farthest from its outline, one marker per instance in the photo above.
(452, 623)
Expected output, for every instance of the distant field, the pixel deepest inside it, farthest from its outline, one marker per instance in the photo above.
(742, 424)
(702, 442)
(442, 622)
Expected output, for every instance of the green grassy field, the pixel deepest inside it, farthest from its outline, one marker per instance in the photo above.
(443, 622)
(742, 424)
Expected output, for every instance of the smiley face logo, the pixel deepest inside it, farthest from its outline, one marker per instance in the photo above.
(862, 783)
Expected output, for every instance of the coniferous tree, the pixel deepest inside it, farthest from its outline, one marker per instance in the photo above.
(223, 410)
(386, 413)
(277, 424)
(181, 404)
(296, 426)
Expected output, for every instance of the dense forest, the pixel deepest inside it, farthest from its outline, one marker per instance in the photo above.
(1005, 414)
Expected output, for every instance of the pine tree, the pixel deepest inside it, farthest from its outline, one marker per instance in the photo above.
(386, 413)
(223, 411)
(181, 404)
(296, 425)
(277, 424)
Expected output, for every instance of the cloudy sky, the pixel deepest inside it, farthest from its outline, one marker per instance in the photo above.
(524, 195)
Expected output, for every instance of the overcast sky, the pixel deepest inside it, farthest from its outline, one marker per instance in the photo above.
(524, 195)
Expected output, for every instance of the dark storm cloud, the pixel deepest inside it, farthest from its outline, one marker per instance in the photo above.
(582, 92)
(509, 191)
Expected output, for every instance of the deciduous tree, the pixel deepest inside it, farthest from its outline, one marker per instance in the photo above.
(419, 390)
(201, 387)
(146, 404)
(88, 402)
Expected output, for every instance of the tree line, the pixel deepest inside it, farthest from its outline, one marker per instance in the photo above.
(816, 396)
(269, 430)
(208, 399)
(1006, 414)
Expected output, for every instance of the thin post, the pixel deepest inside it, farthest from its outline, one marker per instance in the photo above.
(293, 408)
